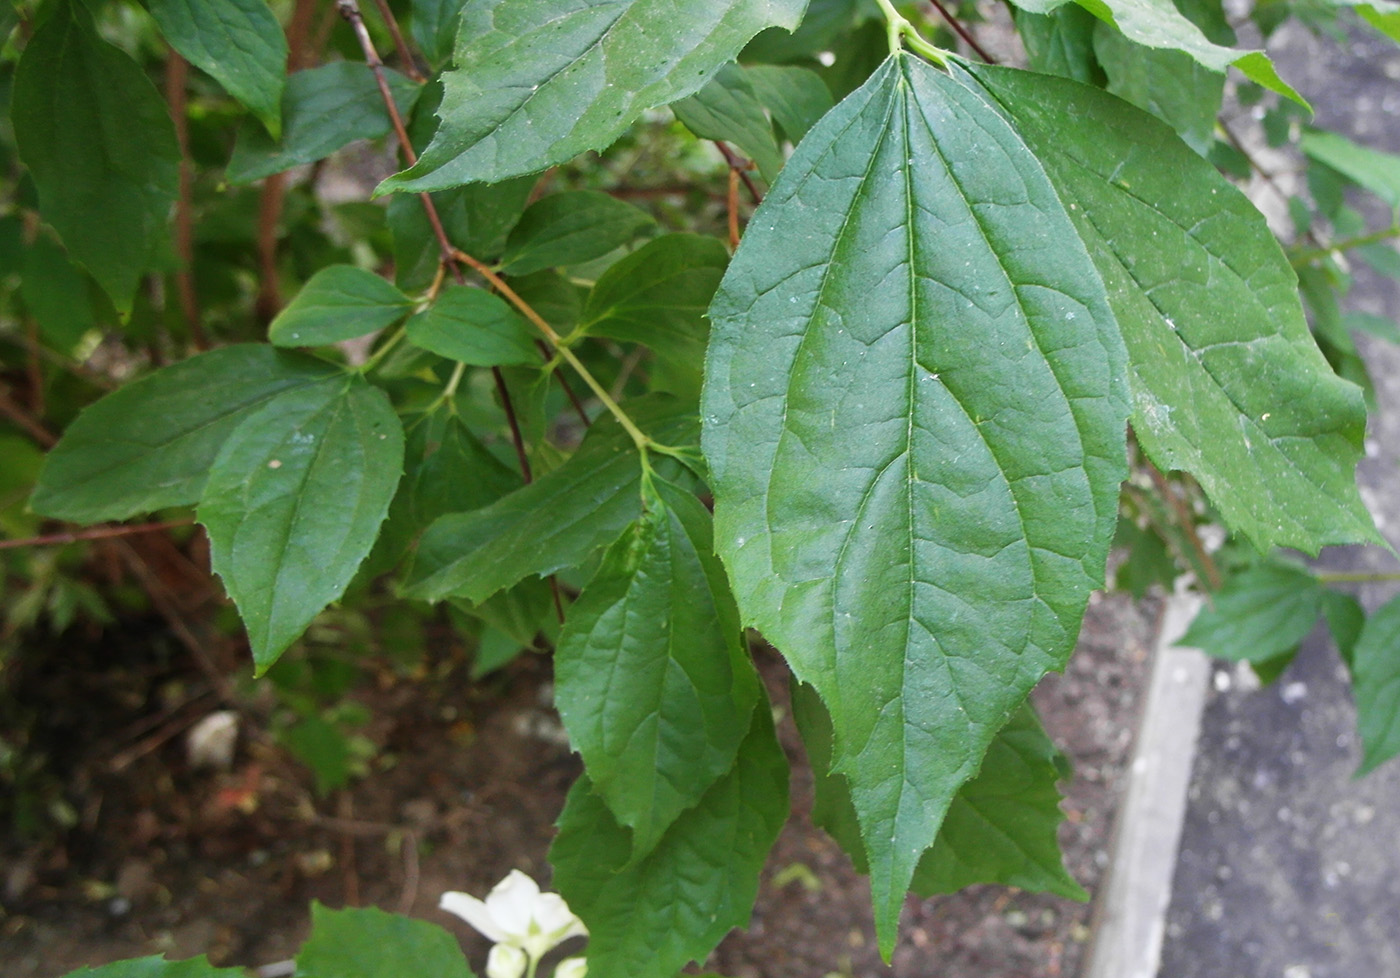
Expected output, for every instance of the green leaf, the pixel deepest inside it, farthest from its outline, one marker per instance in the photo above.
(365, 942)
(569, 228)
(914, 417)
(728, 109)
(474, 327)
(476, 219)
(654, 915)
(537, 82)
(1158, 24)
(1260, 613)
(1001, 827)
(294, 502)
(657, 296)
(340, 302)
(653, 681)
(1386, 20)
(238, 42)
(99, 143)
(1375, 680)
(1171, 85)
(323, 109)
(1370, 168)
(1208, 305)
(157, 967)
(1378, 326)
(1061, 42)
(557, 521)
(796, 97)
(1345, 619)
(56, 295)
(150, 444)
(822, 24)
(323, 748)
(434, 27)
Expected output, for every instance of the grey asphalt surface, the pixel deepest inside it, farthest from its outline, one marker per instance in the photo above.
(1289, 866)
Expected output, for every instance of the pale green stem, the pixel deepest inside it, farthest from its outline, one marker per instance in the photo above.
(1346, 244)
(383, 351)
(1357, 577)
(902, 33)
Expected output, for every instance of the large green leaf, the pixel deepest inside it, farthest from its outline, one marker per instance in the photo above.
(914, 415)
(1376, 682)
(1171, 85)
(157, 967)
(474, 327)
(365, 942)
(537, 82)
(557, 521)
(1158, 24)
(570, 228)
(728, 108)
(1001, 827)
(99, 143)
(1261, 613)
(796, 97)
(239, 42)
(340, 302)
(651, 916)
(294, 502)
(1060, 42)
(1227, 381)
(323, 109)
(150, 444)
(653, 681)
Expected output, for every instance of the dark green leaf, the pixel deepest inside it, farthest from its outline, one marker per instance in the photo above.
(239, 42)
(652, 679)
(1372, 169)
(474, 327)
(728, 109)
(294, 502)
(323, 748)
(157, 967)
(914, 416)
(1345, 618)
(365, 942)
(796, 97)
(1208, 305)
(434, 27)
(557, 521)
(658, 295)
(822, 23)
(150, 444)
(1171, 85)
(1149, 560)
(537, 82)
(1260, 613)
(323, 109)
(340, 302)
(652, 916)
(1061, 42)
(476, 219)
(569, 228)
(56, 295)
(1001, 827)
(99, 143)
(1376, 682)
(1158, 24)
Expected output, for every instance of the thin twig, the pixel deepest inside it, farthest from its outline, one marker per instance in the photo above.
(96, 533)
(962, 31)
(32, 425)
(1187, 523)
(34, 370)
(410, 67)
(742, 167)
(732, 208)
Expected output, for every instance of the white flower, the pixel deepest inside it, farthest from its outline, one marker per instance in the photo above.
(506, 961)
(571, 968)
(517, 914)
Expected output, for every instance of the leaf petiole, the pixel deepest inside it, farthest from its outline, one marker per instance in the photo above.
(904, 34)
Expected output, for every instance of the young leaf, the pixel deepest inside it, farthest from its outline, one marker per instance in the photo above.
(1375, 171)
(294, 502)
(569, 228)
(727, 108)
(1208, 305)
(340, 302)
(239, 42)
(1260, 613)
(99, 143)
(557, 521)
(150, 444)
(1001, 827)
(797, 97)
(157, 967)
(1158, 24)
(914, 416)
(653, 681)
(657, 296)
(1375, 680)
(474, 327)
(537, 82)
(652, 916)
(365, 942)
(323, 109)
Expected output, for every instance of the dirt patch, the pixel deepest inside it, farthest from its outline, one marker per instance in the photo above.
(467, 782)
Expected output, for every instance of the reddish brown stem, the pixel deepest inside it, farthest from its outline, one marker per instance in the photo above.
(96, 533)
(740, 166)
(1188, 524)
(33, 368)
(732, 206)
(962, 31)
(410, 67)
(32, 425)
(177, 71)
